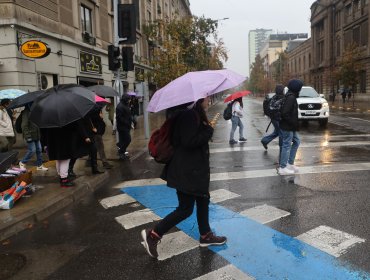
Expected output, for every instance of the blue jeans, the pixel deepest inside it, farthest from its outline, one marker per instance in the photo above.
(32, 147)
(235, 122)
(289, 147)
(268, 138)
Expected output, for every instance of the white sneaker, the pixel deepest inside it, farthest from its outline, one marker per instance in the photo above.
(42, 168)
(285, 171)
(292, 167)
(22, 165)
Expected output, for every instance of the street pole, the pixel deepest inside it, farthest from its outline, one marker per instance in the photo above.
(145, 105)
(117, 84)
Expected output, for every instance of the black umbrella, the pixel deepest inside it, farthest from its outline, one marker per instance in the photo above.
(103, 91)
(7, 159)
(61, 105)
(24, 99)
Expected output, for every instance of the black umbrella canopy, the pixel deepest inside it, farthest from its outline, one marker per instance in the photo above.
(61, 105)
(7, 159)
(103, 91)
(24, 99)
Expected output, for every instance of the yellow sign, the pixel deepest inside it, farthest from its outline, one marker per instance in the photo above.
(35, 49)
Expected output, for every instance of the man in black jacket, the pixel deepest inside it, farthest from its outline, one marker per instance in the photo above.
(288, 128)
(123, 121)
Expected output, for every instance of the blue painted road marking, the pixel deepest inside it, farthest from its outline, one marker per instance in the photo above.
(255, 249)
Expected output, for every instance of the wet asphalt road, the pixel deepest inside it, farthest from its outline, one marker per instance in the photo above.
(85, 242)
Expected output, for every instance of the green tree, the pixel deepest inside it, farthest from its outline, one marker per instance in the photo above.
(183, 45)
(349, 67)
(257, 77)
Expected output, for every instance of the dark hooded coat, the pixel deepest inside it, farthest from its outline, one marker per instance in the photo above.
(289, 112)
(189, 170)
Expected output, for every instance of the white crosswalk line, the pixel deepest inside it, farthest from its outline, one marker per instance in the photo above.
(222, 195)
(137, 218)
(262, 173)
(329, 240)
(264, 213)
(116, 200)
(322, 144)
(228, 272)
(174, 244)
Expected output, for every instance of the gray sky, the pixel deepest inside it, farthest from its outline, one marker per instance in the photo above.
(291, 16)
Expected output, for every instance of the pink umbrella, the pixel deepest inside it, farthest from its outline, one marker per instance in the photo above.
(193, 86)
(99, 99)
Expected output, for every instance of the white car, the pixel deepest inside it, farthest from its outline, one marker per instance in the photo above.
(312, 106)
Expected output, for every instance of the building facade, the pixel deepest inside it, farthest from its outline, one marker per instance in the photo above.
(77, 33)
(335, 26)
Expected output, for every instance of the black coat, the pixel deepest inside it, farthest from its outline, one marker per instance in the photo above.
(123, 117)
(289, 113)
(66, 142)
(188, 171)
(97, 121)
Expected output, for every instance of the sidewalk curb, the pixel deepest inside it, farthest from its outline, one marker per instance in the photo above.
(55, 203)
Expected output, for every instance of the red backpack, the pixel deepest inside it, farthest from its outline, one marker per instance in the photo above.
(160, 146)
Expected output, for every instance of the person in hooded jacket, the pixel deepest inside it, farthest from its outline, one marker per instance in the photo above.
(189, 173)
(123, 122)
(279, 94)
(32, 135)
(288, 129)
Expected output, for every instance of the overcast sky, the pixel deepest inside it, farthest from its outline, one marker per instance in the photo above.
(291, 16)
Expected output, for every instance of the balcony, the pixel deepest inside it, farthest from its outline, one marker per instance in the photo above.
(88, 38)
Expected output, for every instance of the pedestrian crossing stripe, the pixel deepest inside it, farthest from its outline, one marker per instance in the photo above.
(255, 249)
(137, 218)
(174, 244)
(228, 272)
(329, 240)
(222, 195)
(116, 200)
(264, 213)
(260, 173)
(322, 144)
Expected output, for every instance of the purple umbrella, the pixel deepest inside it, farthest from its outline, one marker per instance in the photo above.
(193, 86)
(131, 93)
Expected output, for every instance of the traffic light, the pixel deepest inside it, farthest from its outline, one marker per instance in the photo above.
(127, 23)
(127, 59)
(113, 58)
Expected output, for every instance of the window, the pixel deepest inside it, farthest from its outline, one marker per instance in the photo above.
(356, 35)
(363, 81)
(86, 23)
(320, 52)
(364, 28)
(337, 19)
(338, 47)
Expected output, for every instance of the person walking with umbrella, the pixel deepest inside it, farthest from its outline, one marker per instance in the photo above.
(123, 120)
(237, 114)
(57, 111)
(32, 135)
(189, 173)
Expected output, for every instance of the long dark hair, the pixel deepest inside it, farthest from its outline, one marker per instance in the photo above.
(240, 100)
(199, 109)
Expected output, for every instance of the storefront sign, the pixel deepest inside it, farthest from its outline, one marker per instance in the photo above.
(139, 74)
(35, 49)
(90, 63)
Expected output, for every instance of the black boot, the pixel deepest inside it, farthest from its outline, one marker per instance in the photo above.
(71, 175)
(95, 170)
(66, 183)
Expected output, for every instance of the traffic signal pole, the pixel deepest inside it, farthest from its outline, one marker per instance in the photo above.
(117, 83)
